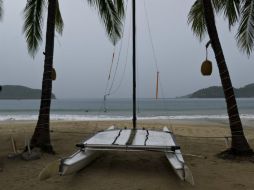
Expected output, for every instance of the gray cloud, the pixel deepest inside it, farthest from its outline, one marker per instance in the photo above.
(83, 53)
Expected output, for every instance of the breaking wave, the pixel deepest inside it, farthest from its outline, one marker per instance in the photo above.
(73, 117)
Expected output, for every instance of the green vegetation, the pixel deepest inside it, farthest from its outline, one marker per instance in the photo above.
(217, 92)
(20, 92)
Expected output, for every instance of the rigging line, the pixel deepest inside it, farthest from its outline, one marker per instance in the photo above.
(156, 61)
(137, 83)
(150, 35)
(154, 54)
(126, 61)
(112, 62)
(103, 105)
(164, 105)
(157, 86)
(110, 71)
(119, 55)
(114, 142)
(147, 136)
(151, 40)
(117, 64)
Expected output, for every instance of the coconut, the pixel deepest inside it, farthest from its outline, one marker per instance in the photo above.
(206, 68)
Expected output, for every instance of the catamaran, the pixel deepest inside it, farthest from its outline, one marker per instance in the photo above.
(135, 139)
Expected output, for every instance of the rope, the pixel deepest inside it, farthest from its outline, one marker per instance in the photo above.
(126, 61)
(117, 64)
(133, 135)
(105, 92)
(203, 137)
(156, 64)
(151, 39)
(109, 89)
(112, 62)
(147, 136)
(177, 135)
(114, 142)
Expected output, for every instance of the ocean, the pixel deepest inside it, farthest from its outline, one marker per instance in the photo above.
(121, 109)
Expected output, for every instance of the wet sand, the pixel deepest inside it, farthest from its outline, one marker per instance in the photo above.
(125, 170)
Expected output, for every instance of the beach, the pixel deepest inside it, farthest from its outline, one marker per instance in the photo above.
(127, 170)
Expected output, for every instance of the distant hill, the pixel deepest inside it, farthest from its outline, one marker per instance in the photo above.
(20, 92)
(217, 92)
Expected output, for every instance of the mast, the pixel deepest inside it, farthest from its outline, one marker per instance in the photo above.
(134, 119)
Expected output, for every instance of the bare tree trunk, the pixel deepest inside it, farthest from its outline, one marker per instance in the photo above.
(41, 136)
(239, 144)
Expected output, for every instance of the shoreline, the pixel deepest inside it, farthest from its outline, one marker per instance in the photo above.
(72, 115)
(247, 123)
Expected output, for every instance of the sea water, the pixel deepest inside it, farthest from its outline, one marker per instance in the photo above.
(121, 109)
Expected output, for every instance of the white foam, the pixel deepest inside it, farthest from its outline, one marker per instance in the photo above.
(73, 117)
(67, 117)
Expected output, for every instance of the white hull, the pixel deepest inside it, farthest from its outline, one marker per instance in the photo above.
(77, 161)
(117, 140)
(177, 162)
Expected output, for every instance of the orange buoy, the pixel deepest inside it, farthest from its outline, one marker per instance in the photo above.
(206, 68)
(53, 74)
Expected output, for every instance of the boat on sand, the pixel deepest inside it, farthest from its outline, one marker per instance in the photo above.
(135, 139)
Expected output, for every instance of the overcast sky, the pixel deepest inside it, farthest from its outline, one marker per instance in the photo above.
(83, 53)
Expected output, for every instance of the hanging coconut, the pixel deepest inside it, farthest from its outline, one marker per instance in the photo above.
(206, 68)
(53, 74)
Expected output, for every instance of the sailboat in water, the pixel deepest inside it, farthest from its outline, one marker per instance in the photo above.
(134, 139)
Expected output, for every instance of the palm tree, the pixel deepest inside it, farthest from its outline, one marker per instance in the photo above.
(245, 34)
(1, 9)
(111, 13)
(201, 17)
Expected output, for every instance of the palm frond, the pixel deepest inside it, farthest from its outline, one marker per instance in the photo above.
(119, 4)
(196, 18)
(218, 4)
(1, 9)
(110, 16)
(230, 9)
(245, 34)
(59, 21)
(32, 27)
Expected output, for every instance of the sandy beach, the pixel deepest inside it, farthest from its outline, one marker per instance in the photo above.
(125, 170)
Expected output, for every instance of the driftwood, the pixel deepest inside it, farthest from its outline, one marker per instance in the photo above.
(15, 153)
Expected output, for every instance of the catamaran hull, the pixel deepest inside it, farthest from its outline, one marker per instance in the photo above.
(118, 140)
(77, 161)
(177, 162)
(183, 172)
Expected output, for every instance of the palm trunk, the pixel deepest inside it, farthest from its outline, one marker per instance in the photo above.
(41, 136)
(239, 144)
